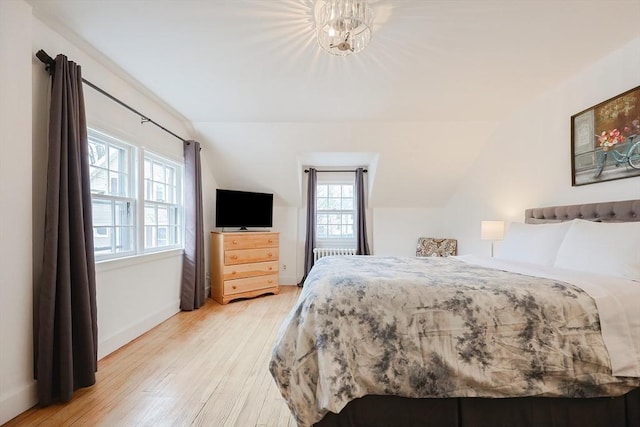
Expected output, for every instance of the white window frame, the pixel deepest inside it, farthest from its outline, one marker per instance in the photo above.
(332, 242)
(109, 141)
(136, 198)
(178, 204)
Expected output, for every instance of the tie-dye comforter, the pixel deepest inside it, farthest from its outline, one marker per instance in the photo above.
(436, 327)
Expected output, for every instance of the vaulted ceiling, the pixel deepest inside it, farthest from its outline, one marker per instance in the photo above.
(418, 104)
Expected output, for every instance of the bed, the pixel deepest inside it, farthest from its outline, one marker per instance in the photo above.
(547, 334)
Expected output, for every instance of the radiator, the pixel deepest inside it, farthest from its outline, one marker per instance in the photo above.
(322, 252)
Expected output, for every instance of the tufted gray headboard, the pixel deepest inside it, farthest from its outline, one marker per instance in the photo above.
(623, 211)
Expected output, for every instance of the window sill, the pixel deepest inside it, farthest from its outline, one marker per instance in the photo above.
(118, 263)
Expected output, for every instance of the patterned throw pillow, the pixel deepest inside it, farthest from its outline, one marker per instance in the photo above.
(430, 246)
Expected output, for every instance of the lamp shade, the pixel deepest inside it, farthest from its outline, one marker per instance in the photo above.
(492, 230)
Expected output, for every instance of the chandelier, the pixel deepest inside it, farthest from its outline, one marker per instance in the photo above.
(343, 26)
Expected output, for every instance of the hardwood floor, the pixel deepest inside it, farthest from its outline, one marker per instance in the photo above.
(208, 367)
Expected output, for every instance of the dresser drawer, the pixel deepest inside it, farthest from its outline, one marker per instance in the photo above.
(251, 241)
(249, 284)
(239, 271)
(243, 256)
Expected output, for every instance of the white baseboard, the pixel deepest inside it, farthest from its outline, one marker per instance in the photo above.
(125, 336)
(17, 401)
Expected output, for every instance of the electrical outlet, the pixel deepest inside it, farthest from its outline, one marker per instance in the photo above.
(284, 267)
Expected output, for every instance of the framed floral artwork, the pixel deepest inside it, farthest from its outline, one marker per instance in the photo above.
(605, 140)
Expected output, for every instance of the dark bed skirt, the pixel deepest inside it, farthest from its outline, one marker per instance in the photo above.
(393, 411)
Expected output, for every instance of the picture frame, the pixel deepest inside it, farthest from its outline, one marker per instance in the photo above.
(605, 140)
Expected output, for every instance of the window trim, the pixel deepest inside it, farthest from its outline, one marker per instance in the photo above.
(136, 157)
(145, 153)
(110, 140)
(328, 242)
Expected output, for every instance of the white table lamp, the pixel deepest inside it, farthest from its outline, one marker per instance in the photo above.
(492, 230)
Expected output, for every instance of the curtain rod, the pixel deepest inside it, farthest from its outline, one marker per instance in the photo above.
(340, 170)
(50, 63)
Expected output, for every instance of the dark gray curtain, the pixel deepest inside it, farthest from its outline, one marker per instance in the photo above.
(67, 346)
(310, 241)
(192, 288)
(362, 246)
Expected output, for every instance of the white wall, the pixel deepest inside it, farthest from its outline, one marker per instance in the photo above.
(285, 221)
(397, 230)
(17, 387)
(133, 295)
(130, 297)
(528, 161)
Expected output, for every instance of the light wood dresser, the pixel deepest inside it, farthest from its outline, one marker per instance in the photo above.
(243, 265)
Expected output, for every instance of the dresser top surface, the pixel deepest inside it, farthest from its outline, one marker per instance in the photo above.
(243, 233)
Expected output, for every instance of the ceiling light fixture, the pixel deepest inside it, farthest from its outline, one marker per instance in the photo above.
(343, 26)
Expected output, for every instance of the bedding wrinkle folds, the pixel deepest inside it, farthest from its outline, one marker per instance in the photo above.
(436, 327)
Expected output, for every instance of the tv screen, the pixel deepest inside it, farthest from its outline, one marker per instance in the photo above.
(243, 209)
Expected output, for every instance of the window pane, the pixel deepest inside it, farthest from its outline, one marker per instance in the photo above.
(163, 216)
(149, 237)
(148, 189)
(334, 219)
(97, 153)
(150, 215)
(102, 213)
(322, 191)
(321, 231)
(158, 172)
(170, 175)
(347, 191)
(102, 240)
(163, 233)
(347, 204)
(158, 192)
(321, 203)
(335, 190)
(147, 169)
(334, 231)
(322, 218)
(347, 218)
(99, 180)
(124, 239)
(347, 231)
(123, 214)
(333, 204)
(117, 159)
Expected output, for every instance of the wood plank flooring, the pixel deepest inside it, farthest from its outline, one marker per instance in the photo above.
(208, 367)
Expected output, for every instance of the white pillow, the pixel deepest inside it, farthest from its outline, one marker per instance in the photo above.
(611, 249)
(533, 243)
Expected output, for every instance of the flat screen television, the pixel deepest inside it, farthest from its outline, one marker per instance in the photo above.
(243, 209)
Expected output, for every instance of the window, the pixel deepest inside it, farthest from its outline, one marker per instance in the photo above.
(120, 184)
(162, 185)
(110, 169)
(335, 214)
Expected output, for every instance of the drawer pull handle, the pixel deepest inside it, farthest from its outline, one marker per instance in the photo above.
(270, 254)
(270, 268)
(233, 272)
(270, 241)
(233, 287)
(235, 242)
(234, 256)
(270, 281)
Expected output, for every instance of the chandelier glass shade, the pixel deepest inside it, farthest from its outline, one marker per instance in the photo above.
(343, 26)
